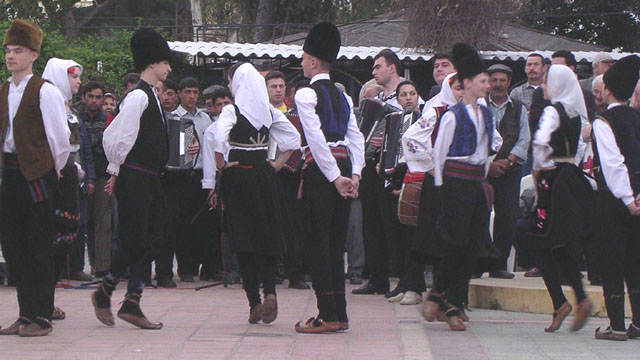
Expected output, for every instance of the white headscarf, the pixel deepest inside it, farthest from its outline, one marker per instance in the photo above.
(56, 73)
(251, 97)
(563, 88)
(444, 97)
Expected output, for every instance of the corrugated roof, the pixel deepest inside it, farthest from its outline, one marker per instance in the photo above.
(284, 51)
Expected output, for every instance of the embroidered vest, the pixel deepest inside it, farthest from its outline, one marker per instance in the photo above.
(564, 140)
(244, 136)
(151, 148)
(332, 109)
(465, 138)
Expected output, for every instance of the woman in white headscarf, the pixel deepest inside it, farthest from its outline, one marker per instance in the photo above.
(251, 199)
(564, 211)
(65, 76)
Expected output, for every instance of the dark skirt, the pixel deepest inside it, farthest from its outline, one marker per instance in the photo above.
(565, 210)
(253, 210)
(65, 207)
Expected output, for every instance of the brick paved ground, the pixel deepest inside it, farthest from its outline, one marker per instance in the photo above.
(212, 324)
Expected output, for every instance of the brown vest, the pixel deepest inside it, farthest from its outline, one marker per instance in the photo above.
(32, 147)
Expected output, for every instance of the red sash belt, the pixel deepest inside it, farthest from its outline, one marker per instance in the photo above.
(461, 170)
(410, 177)
(338, 152)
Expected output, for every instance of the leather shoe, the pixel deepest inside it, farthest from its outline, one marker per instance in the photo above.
(255, 315)
(369, 289)
(14, 329)
(131, 313)
(582, 314)
(58, 314)
(452, 318)
(559, 316)
(533, 272)
(501, 274)
(434, 306)
(317, 326)
(298, 284)
(33, 330)
(166, 283)
(103, 314)
(269, 309)
(80, 276)
(610, 334)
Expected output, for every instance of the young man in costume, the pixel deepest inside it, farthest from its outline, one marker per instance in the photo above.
(35, 147)
(137, 148)
(466, 138)
(617, 144)
(334, 156)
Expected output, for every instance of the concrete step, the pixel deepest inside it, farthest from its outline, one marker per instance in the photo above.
(529, 295)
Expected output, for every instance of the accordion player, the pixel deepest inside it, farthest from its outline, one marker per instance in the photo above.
(395, 124)
(371, 123)
(182, 134)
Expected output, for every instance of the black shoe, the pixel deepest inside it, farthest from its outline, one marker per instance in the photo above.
(166, 283)
(633, 332)
(369, 289)
(80, 276)
(501, 274)
(100, 274)
(394, 292)
(298, 284)
(232, 278)
(187, 278)
(355, 279)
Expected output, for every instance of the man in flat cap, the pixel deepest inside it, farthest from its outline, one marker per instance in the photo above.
(600, 64)
(510, 116)
(35, 146)
(334, 157)
(137, 147)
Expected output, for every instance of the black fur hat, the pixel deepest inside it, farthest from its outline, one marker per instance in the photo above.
(622, 77)
(323, 42)
(148, 47)
(467, 61)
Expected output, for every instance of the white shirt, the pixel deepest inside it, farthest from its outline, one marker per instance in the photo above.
(216, 139)
(306, 101)
(542, 150)
(416, 143)
(612, 161)
(54, 119)
(201, 121)
(121, 135)
(445, 138)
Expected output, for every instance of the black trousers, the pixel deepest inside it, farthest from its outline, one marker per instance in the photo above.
(618, 243)
(194, 244)
(412, 275)
(293, 254)
(550, 262)
(254, 269)
(27, 241)
(379, 230)
(327, 214)
(141, 218)
(464, 226)
(506, 206)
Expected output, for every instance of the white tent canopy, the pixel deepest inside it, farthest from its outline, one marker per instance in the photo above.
(284, 51)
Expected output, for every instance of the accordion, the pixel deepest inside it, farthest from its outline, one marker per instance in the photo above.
(182, 134)
(371, 122)
(395, 125)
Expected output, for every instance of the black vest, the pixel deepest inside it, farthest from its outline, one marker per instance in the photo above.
(625, 124)
(332, 109)
(564, 140)
(244, 135)
(509, 127)
(151, 148)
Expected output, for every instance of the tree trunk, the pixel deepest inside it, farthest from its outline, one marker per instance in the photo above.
(196, 18)
(264, 16)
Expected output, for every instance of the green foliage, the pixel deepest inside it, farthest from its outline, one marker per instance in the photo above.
(614, 23)
(113, 52)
